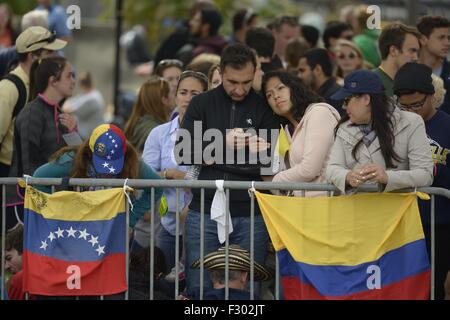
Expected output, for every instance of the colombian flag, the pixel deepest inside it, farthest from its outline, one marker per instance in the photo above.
(74, 243)
(364, 246)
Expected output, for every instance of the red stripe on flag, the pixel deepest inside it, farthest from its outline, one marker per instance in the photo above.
(412, 288)
(49, 276)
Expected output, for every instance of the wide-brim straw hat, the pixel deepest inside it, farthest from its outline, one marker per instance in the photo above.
(239, 259)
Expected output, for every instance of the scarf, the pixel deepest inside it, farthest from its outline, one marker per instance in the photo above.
(369, 134)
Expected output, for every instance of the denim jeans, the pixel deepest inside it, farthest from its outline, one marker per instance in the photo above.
(239, 236)
(166, 243)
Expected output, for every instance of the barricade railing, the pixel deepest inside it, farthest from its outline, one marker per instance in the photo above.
(202, 185)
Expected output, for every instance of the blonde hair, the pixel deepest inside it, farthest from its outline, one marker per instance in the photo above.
(439, 91)
(346, 43)
(206, 57)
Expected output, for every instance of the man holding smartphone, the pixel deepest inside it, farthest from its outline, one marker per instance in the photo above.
(240, 114)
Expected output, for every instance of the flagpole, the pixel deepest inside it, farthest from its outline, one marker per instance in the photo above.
(127, 240)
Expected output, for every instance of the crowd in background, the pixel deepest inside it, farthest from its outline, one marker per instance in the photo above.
(357, 105)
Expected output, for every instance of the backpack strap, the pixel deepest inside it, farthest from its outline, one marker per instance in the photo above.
(22, 100)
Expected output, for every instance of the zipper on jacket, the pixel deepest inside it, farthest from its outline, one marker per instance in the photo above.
(233, 110)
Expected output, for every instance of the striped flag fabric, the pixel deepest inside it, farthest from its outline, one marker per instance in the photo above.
(364, 246)
(74, 243)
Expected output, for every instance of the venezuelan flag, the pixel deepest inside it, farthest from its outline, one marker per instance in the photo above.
(74, 243)
(365, 246)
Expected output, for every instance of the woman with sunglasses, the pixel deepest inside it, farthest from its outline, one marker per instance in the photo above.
(170, 70)
(151, 109)
(159, 155)
(348, 59)
(377, 142)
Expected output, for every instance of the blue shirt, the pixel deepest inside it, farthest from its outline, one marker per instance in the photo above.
(57, 20)
(158, 154)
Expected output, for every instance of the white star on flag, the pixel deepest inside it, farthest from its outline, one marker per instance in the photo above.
(113, 141)
(51, 236)
(60, 233)
(71, 232)
(100, 250)
(112, 170)
(116, 146)
(44, 245)
(108, 157)
(112, 151)
(83, 234)
(105, 165)
(94, 240)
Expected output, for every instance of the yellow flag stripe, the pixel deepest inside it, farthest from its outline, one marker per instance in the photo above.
(345, 230)
(283, 143)
(76, 206)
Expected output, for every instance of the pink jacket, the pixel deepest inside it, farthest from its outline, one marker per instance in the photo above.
(310, 147)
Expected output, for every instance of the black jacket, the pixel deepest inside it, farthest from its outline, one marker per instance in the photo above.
(329, 88)
(216, 110)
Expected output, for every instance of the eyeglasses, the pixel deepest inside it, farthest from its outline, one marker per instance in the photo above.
(170, 62)
(50, 39)
(350, 56)
(347, 100)
(412, 106)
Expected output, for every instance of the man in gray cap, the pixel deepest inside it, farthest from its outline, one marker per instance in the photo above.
(32, 44)
(419, 93)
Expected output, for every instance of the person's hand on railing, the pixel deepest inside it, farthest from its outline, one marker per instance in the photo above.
(373, 173)
(354, 178)
(174, 174)
(370, 173)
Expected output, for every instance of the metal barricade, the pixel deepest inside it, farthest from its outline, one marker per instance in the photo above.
(202, 185)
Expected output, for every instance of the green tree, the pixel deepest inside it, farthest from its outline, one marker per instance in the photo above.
(20, 7)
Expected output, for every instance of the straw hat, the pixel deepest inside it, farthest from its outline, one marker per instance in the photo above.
(239, 259)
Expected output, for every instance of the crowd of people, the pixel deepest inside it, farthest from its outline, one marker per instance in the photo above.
(367, 106)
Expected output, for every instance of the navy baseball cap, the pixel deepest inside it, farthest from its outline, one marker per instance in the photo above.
(360, 82)
(108, 146)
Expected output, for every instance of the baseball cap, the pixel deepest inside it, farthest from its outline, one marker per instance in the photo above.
(35, 38)
(413, 77)
(360, 82)
(108, 146)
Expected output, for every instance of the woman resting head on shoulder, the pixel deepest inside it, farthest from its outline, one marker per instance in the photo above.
(310, 126)
(377, 142)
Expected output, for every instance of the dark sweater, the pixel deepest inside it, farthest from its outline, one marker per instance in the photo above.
(215, 110)
(438, 131)
(36, 137)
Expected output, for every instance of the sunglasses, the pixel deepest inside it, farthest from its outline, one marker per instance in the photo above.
(347, 100)
(170, 62)
(412, 106)
(350, 56)
(50, 39)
